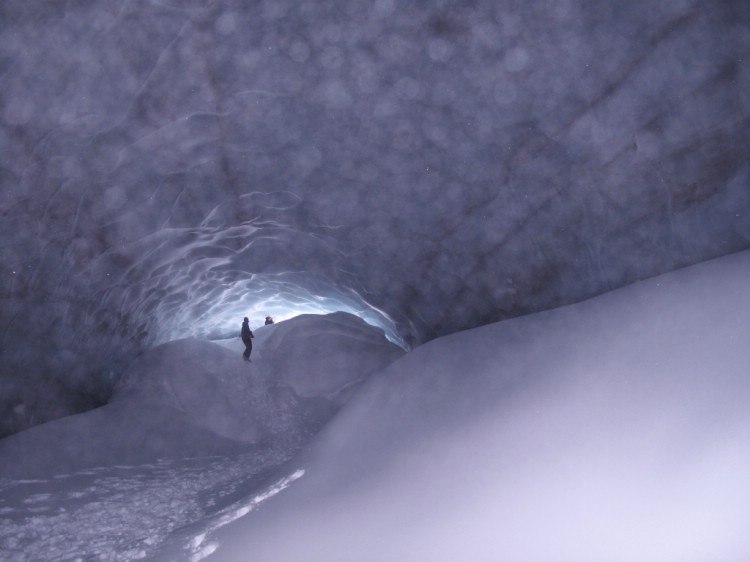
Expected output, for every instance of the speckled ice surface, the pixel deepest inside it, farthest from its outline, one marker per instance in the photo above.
(167, 167)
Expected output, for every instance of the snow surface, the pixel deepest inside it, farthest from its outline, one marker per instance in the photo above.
(616, 429)
(613, 430)
(191, 430)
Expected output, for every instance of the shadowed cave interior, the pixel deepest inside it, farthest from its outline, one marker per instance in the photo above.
(168, 168)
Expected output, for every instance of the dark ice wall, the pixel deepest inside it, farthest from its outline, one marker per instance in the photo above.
(438, 164)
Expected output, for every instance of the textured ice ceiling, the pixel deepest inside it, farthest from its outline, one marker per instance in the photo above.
(169, 167)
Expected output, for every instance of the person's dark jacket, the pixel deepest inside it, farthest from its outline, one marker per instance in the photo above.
(246, 334)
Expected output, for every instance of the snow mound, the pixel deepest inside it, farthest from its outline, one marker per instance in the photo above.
(298, 351)
(193, 397)
(616, 429)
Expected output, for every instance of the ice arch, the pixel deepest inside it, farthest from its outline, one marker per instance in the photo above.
(433, 166)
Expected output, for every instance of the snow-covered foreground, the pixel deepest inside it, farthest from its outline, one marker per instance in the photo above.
(617, 429)
(118, 512)
(191, 431)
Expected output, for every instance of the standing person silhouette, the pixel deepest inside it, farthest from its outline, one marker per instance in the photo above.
(247, 338)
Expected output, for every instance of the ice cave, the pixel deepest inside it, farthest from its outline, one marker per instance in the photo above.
(506, 246)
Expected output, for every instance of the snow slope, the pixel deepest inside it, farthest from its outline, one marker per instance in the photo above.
(613, 430)
(617, 429)
(190, 428)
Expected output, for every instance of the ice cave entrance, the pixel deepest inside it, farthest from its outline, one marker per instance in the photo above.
(217, 313)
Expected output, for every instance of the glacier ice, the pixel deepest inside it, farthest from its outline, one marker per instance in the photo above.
(166, 167)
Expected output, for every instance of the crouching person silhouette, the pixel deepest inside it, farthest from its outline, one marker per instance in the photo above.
(247, 338)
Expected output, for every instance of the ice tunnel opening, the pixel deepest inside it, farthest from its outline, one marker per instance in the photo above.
(243, 260)
(123, 315)
(217, 314)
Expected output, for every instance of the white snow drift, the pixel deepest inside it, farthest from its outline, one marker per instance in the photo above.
(617, 429)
